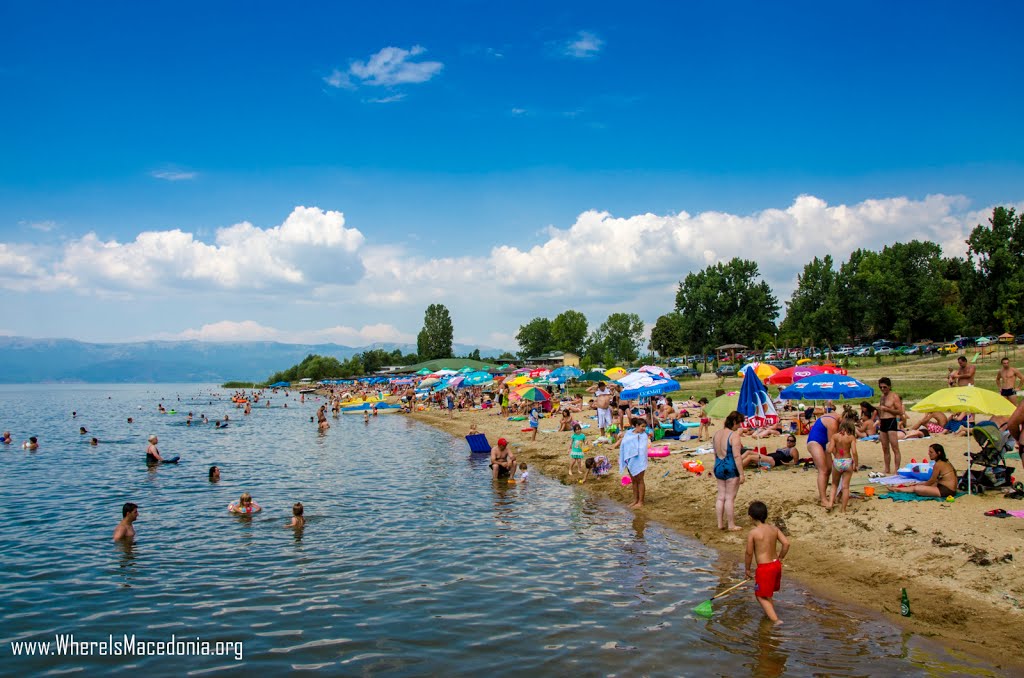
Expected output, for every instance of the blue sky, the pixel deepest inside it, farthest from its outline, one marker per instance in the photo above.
(507, 161)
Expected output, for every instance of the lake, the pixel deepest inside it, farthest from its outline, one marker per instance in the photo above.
(413, 562)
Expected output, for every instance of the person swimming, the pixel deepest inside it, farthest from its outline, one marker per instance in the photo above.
(245, 505)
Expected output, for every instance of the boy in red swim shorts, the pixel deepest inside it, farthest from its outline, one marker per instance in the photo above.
(761, 546)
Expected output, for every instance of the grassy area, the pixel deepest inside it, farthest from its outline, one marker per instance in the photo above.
(912, 377)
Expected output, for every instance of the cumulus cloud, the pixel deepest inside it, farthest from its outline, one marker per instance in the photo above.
(250, 330)
(311, 247)
(389, 67)
(584, 46)
(173, 175)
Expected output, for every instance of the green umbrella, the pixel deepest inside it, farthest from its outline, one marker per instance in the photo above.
(424, 371)
(720, 407)
(594, 375)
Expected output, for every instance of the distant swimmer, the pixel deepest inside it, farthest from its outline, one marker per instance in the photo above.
(125, 530)
(6, 440)
(214, 474)
(152, 453)
(82, 430)
(94, 442)
(130, 420)
(74, 414)
(31, 444)
(298, 520)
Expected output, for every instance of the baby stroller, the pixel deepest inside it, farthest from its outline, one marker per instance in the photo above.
(994, 443)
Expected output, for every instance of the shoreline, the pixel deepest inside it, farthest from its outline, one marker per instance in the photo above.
(963, 591)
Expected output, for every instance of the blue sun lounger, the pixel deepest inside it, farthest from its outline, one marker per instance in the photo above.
(478, 443)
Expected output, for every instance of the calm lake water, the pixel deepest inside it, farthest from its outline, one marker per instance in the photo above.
(412, 563)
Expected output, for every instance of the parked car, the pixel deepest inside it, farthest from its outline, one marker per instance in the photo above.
(726, 371)
(679, 372)
(908, 350)
(863, 351)
(884, 350)
(948, 348)
(984, 341)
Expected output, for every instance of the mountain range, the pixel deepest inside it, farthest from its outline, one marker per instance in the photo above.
(28, 360)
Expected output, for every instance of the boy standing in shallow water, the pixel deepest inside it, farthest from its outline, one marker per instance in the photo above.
(761, 546)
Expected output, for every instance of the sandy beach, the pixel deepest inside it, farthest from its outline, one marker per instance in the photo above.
(961, 569)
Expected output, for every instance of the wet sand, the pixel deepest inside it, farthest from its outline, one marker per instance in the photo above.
(962, 570)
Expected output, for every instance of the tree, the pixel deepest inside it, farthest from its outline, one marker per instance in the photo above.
(668, 336)
(622, 334)
(435, 339)
(535, 337)
(474, 354)
(726, 303)
(569, 331)
(812, 313)
(995, 252)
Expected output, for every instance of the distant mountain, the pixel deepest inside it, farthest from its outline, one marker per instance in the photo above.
(26, 360)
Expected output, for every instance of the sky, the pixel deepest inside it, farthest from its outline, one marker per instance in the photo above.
(325, 171)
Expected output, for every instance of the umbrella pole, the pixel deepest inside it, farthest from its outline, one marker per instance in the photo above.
(969, 474)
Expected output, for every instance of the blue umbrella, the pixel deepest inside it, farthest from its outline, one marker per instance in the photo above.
(566, 372)
(278, 384)
(754, 402)
(826, 387)
(658, 387)
(477, 378)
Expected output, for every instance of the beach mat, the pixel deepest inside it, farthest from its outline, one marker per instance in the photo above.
(895, 495)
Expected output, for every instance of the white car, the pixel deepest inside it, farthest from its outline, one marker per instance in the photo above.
(984, 341)
(885, 350)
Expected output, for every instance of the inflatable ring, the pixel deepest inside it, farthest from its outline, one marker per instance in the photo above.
(661, 451)
(233, 507)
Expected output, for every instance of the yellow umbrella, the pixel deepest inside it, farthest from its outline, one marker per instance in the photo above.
(521, 379)
(764, 370)
(966, 399)
(615, 373)
(804, 361)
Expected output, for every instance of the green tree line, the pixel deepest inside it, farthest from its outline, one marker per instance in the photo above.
(905, 291)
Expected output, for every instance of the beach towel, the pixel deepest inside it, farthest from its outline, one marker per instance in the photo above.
(892, 480)
(1016, 513)
(897, 496)
(869, 438)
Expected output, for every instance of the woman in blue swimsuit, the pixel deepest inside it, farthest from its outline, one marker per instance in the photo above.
(817, 440)
(728, 462)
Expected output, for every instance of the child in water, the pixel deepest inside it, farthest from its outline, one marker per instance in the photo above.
(245, 505)
(298, 521)
(524, 474)
(761, 547)
(843, 448)
(576, 450)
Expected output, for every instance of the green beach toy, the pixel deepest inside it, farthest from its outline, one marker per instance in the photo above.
(704, 609)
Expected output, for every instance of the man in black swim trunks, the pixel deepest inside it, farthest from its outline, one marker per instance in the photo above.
(503, 460)
(890, 411)
(1007, 378)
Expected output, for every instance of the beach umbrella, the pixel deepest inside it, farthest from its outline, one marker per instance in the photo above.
(466, 370)
(567, 372)
(594, 375)
(615, 373)
(762, 370)
(794, 374)
(754, 402)
(966, 399)
(517, 381)
(477, 379)
(444, 373)
(430, 381)
(654, 369)
(455, 382)
(804, 361)
(423, 372)
(651, 386)
(723, 405)
(826, 387)
(532, 393)
(278, 384)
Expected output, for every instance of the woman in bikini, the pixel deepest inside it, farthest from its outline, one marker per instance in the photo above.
(868, 425)
(942, 482)
(843, 449)
(728, 470)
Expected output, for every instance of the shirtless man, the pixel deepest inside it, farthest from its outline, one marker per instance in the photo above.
(890, 410)
(124, 529)
(603, 404)
(965, 372)
(1007, 378)
(321, 418)
(503, 460)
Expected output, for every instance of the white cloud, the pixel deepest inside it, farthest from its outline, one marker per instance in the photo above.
(173, 175)
(42, 226)
(394, 98)
(389, 67)
(585, 45)
(250, 330)
(311, 247)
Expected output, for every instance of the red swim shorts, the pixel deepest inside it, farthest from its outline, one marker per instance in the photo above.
(768, 579)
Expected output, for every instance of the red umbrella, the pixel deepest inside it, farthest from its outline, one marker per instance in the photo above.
(791, 374)
(539, 372)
